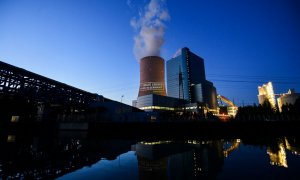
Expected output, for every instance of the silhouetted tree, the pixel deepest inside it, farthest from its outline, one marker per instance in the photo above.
(267, 107)
(265, 111)
(297, 105)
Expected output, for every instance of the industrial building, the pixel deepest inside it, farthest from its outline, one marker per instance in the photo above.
(158, 103)
(152, 76)
(287, 98)
(188, 88)
(266, 92)
(152, 91)
(186, 79)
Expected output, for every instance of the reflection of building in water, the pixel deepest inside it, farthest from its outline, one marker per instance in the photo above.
(277, 150)
(292, 145)
(153, 168)
(153, 159)
(179, 160)
(278, 157)
(183, 165)
(51, 157)
(233, 146)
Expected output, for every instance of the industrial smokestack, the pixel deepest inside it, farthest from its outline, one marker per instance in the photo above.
(152, 76)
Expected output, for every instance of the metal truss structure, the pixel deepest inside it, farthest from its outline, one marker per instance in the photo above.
(23, 83)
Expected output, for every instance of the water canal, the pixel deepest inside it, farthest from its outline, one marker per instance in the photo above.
(78, 155)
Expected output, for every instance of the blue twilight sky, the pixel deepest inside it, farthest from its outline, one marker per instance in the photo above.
(89, 44)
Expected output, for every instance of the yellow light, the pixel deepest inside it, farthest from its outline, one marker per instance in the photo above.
(14, 119)
(278, 158)
(155, 142)
(11, 138)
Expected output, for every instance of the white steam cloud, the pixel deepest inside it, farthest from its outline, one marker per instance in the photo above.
(150, 29)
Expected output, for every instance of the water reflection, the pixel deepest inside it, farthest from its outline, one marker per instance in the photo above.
(50, 157)
(233, 145)
(11, 138)
(292, 144)
(278, 155)
(179, 160)
(78, 155)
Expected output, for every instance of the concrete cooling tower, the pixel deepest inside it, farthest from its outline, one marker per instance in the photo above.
(152, 76)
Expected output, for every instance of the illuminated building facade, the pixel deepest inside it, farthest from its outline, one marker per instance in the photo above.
(287, 98)
(156, 102)
(186, 79)
(266, 92)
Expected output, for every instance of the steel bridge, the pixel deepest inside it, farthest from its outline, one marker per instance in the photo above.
(20, 82)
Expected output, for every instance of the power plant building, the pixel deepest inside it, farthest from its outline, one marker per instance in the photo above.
(155, 102)
(186, 79)
(266, 92)
(188, 88)
(152, 91)
(152, 76)
(287, 98)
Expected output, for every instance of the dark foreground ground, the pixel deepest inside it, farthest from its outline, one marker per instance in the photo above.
(171, 130)
(199, 129)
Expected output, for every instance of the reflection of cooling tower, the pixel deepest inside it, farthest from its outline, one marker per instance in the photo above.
(152, 76)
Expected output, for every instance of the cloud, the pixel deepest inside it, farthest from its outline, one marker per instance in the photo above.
(129, 4)
(150, 29)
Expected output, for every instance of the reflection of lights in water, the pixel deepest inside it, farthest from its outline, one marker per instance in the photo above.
(14, 119)
(197, 168)
(294, 150)
(11, 138)
(287, 144)
(195, 164)
(198, 142)
(278, 158)
(155, 142)
(234, 146)
(168, 142)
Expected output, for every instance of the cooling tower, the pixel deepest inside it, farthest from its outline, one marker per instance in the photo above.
(152, 76)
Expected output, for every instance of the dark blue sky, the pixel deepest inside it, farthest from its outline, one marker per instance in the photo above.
(89, 44)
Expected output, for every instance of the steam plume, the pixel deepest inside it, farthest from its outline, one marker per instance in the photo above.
(150, 29)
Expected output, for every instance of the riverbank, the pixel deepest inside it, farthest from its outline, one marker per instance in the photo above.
(175, 130)
(196, 129)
